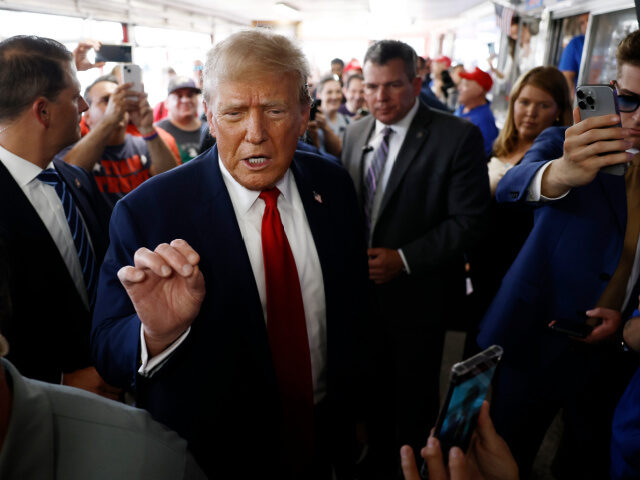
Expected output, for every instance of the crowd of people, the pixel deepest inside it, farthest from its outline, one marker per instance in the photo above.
(269, 280)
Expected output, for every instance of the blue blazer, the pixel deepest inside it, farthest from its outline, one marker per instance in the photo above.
(49, 325)
(218, 389)
(565, 263)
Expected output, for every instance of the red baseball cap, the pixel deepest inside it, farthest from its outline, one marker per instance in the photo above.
(444, 59)
(353, 65)
(481, 77)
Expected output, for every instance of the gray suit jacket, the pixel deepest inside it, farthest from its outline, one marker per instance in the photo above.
(63, 432)
(436, 200)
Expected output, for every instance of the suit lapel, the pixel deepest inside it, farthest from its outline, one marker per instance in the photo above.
(355, 167)
(219, 233)
(413, 142)
(317, 211)
(20, 218)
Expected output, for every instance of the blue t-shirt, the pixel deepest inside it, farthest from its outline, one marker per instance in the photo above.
(570, 60)
(483, 118)
(625, 438)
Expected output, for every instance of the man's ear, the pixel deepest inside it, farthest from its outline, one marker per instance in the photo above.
(417, 85)
(209, 114)
(40, 110)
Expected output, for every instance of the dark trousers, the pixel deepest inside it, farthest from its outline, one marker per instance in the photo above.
(586, 381)
(405, 397)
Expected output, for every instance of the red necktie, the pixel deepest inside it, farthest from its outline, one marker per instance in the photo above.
(287, 330)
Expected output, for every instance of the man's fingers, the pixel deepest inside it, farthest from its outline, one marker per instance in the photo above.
(458, 464)
(130, 275)
(576, 116)
(408, 461)
(175, 259)
(145, 258)
(433, 455)
(185, 249)
(601, 121)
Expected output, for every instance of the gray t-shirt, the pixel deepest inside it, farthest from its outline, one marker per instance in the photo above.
(188, 141)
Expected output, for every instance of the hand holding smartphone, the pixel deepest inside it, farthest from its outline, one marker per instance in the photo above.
(595, 101)
(468, 388)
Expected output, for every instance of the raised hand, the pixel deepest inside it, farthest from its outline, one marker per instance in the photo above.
(589, 145)
(166, 288)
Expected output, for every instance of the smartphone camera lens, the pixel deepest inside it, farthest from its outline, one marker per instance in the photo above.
(582, 105)
(580, 94)
(590, 100)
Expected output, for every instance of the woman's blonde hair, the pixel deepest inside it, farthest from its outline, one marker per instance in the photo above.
(549, 79)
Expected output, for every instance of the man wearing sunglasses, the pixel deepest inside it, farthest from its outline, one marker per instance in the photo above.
(578, 270)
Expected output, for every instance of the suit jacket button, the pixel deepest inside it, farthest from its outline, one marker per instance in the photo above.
(605, 277)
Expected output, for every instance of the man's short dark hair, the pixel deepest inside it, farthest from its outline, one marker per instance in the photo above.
(629, 50)
(355, 76)
(338, 61)
(383, 51)
(30, 67)
(103, 78)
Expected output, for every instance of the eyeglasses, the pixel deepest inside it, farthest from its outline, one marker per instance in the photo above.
(627, 103)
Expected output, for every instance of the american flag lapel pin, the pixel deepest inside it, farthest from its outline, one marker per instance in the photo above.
(317, 197)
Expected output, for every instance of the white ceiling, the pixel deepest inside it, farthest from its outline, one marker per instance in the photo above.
(204, 15)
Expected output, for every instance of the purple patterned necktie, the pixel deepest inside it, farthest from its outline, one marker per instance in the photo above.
(374, 173)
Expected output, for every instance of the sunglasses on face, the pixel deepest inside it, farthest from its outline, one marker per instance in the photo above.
(627, 102)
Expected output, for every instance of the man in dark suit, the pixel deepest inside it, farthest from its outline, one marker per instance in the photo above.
(202, 256)
(51, 290)
(578, 267)
(423, 185)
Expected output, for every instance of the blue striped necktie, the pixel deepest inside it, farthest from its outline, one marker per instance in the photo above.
(374, 173)
(76, 225)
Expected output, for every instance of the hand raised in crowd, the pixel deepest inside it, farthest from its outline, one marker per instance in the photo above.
(166, 288)
(385, 264)
(488, 458)
(80, 55)
(583, 144)
(121, 101)
(610, 324)
(142, 116)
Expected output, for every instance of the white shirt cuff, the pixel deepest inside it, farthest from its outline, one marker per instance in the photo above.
(151, 365)
(404, 261)
(534, 193)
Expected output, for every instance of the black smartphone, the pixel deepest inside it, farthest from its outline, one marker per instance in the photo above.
(114, 53)
(468, 388)
(579, 330)
(314, 109)
(595, 101)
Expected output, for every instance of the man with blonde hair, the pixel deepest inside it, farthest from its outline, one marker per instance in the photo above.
(235, 320)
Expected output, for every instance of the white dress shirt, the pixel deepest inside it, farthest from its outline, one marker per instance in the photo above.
(396, 139)
(48, 205)
(248, 209)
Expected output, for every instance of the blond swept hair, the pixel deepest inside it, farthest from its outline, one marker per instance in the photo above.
(548, 79)
(255, 51)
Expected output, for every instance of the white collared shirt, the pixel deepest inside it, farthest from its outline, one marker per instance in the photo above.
(48, 205)
(249, 209)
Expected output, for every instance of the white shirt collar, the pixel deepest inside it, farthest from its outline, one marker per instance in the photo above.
(401, 126)
(22, 171)
(242, 197)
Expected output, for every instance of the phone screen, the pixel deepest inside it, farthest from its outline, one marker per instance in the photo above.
(492, 48)
(114, 53)
(470, 382)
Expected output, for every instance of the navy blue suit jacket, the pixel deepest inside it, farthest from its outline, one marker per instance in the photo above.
(218, 389)
(565, 264)
(49, 326)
